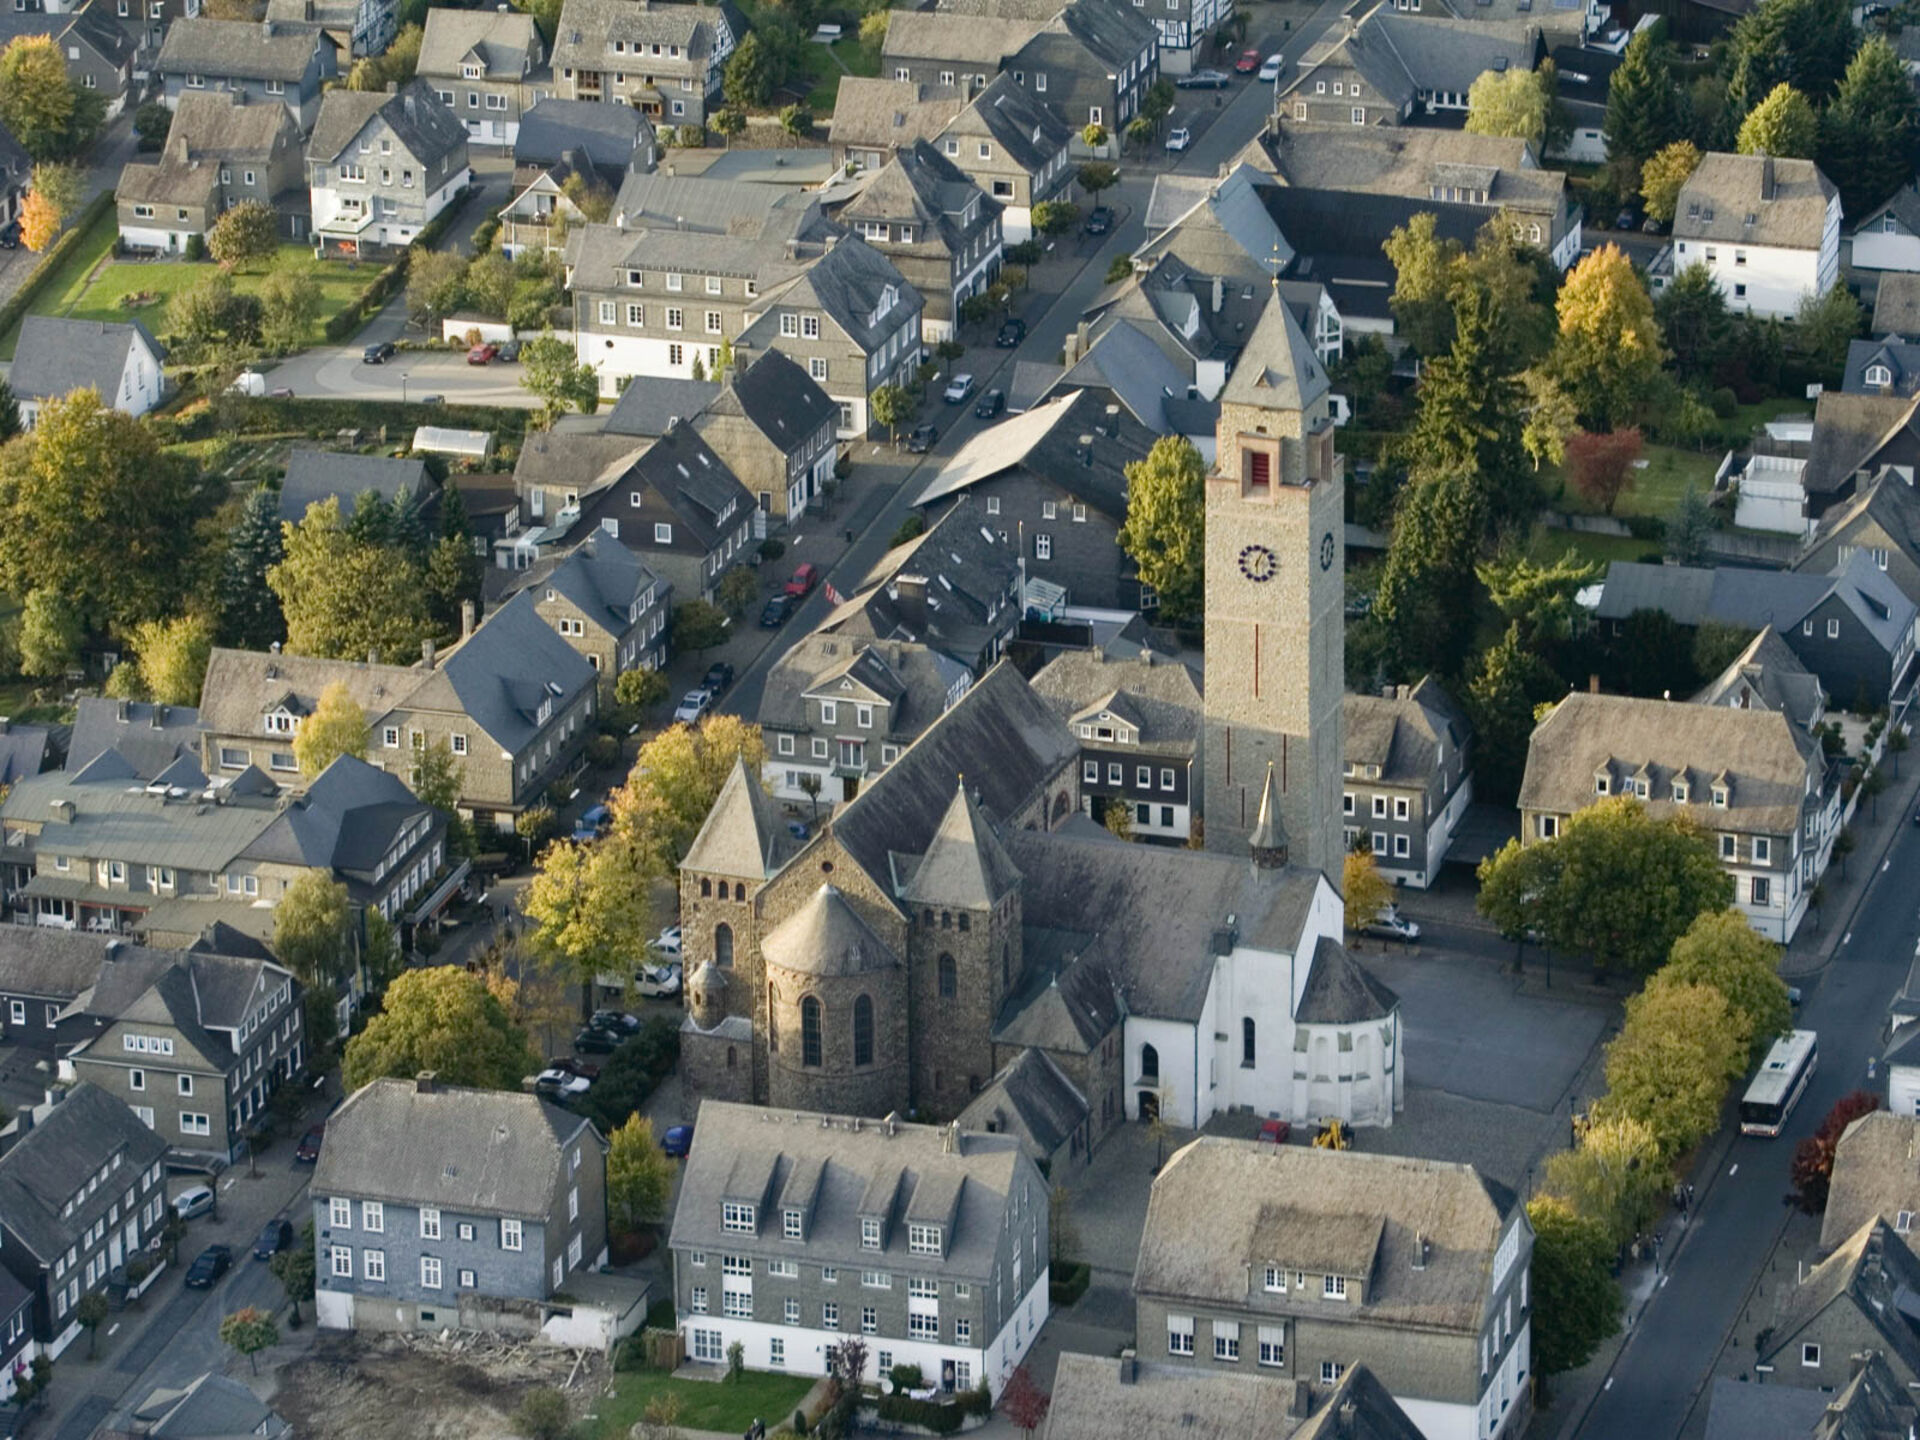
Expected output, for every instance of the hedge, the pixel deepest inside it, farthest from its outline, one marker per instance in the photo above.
(267, 415)
(1068, 1283)
(16, 306)
(930, 1415)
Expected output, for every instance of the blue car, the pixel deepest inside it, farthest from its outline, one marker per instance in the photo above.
(678, 1140)
(590, 824)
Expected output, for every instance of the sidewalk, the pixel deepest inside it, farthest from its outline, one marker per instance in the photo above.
(117, 145)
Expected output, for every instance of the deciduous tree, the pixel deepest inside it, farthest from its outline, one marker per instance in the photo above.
(550, 370)
(1825, 325)
(698, 626)
(295, 1269)
(50, 634)
(873, 28)
(639, 1176)
(1513, 103)
(640, 689)
(1608, 353)
(249, 1331)
(290, 302)
(1166, 528)
(1782, 125)
(444, 1020)
(173, 657)
(337, 726)
(1672, 1061)
(436, 286)
(1812, 1165)
(1601, 466)
(737, 590)
(674, 783)
(728, 122)
(312, 930)
(48, 112)
(1722, 950)
(61, 190)
(1871, 130)
(1024, 1402)
(247, 231)
(1424, 268)
(345, 599)
(1550, 418)
(1097, 175)
(1366, 891)
(1614, 1175)
(892, 407)
(1662, 175)
(1576, 1302)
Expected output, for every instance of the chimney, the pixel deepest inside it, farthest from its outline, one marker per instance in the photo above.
(950, 1138)
(114, 947)
(1129, 1367)
(466, 619)
(373, 656)
(426, 652)
(1300, 1405)
(1344, 1418)
(893, 1119)
(1386, 692)
(266, 30)
(1086, 451)
(274, 648)
(427, 1082)
(1766, 177)
(407, 104)
(1593, 684)
(1113, 422)
(1422, 1248)
(1858, 1362)
(157, 716)
(910, 594)
(1219, 293)
(61, 812)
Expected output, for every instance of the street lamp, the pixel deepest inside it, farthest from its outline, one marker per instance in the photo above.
(403, 387)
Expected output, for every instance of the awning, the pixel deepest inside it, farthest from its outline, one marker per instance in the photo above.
(440, 894)
(1043, 598)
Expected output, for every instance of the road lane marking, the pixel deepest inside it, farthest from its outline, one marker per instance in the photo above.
(1885, 865)
(1734, 1171)
(1847, 939)
(1609, 1384)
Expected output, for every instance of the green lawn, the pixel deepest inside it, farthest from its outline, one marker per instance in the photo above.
(1548, 545)
(858, 58)
(704, 1404)
(71, 278)
(1656, 490)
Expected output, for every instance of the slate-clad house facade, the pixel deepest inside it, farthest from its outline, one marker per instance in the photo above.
(435, 1205)
(265, 61)
(928, 1241)
(662, 57)
(1015, 147)
(219, 152)
(42, 971)
(381, 166)
(1138, 723)
(608, 605)
(486, 66)
(1408, 781)
(775, 427)
(81, 1190)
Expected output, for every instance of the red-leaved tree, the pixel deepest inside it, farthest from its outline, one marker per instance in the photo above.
(1024, 1402)
(1601, 466)
(1813, 1157)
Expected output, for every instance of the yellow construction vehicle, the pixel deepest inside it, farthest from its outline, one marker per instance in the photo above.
(1332, 1135)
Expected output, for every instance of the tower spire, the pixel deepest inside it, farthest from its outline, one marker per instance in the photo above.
(1268, 842)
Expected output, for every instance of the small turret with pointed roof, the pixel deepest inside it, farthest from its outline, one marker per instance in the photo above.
(743, 835)
(1268, 842)
(965, 864)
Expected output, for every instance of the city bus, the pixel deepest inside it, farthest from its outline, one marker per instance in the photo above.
(1781, 1081)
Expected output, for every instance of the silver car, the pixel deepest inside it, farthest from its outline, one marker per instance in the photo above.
(1390, 924)
(692, 707)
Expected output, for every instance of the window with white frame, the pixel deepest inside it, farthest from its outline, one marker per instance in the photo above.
(1179, 1334)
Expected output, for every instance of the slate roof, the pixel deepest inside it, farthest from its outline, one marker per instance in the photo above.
(24, 750)
(577, 460)
(498, 676)
(826, 937)
(847, 283)
(1899, 357)
(1031, 1098)
(209, 130)
(1220, 1205)
(1411, 160)
(58, 355)
(348, 819)
(1399, 54)
(724, 229)
(653, 407)
(607, 134)
(69, 1142)
(243, 685)
(886, 114)
(603, 578)
(421, 125)
(1339, 990)
(1904, 206)
(784, 403)
(1403, 734)
(1754, 200)
(1045, 442)
(965, 864)
(115, 818)
(1876, 1175)
(505, 42)
(695, 204)
(1069, 1002)
(1849, 430)
(48, 964)
(1220, 225)
(847, 1168)
(1141, 375)
(314, 476)
(1741, 1410)
(1278, 369)
(681, 468)
(1693, 595)
(922, 187)
(1890, 502)
(1896, 303)
(1161, 695)
(1028, 129)
(587, 29)
(211, 1407)
(1765, 758)
(942, 35)
(1768, 674)
(1096, 1397)
(1871, 1273)
(245, 49)
(482, 1152)
(743, 834)
(914, 679)
(1873, 1406)
(204, 997)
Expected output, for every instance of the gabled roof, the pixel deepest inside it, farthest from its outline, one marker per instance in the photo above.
(504, 42)
(1873, 1406)
(886, 114)
(211, 1407)
(485, 1152)
(653, 408)
(1414, 162)
(1031, 131)
(1046, 442)
(1403, 733)
(1741, 1410)
(1888, 502)
(1899, 358)
(965, 864)
(849, 283)
(1162, 694)
(743, 834)
(1221, 225)
(588, 29)
(501, 675)
(696, 484)
(1769, 675)
(915, 681)
(314, 476)
(608, 135)
(784, 403)
(58, 355)
(1692, 595)
(1401, 55)
(1141, 375)
(1849, 431)
(247, 49)
(421, 125)
(1875, 1276)
(211, 128)
(1097, 1397)
(1278, 370)
(24, 750)
(938, 35)
(603, 578)
(1754, 200)
(48, 964)
(1896, 304)
(348, 820)
(1876, 1174)
(69, 1142)
(1032, 1098)
(922, 187)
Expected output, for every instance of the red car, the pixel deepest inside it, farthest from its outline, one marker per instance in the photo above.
(803, 581)
(1276, 1132)
(1248, 62)
(307, 1152)
(482, 354)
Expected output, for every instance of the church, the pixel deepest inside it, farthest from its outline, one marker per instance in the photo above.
(961, 911)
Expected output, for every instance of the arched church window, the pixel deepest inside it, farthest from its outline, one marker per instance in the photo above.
(949, 978)
(809, 1031)
(723, 946)
(863, 1030)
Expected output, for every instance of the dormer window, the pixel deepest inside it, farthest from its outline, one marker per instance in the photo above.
(1878, 375)
(1680, 792)
(792, 1225)
(869, 1232)
(1719, 797)
(1601, 784)
(924, 1239)
(1276, 1280)
(737, 1217)
(469, 72)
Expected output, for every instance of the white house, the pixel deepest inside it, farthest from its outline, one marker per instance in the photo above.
(1767, 230)
(57, 356)
(382, 166)
(1889, 238)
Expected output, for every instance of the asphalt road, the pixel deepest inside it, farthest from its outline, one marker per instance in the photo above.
(1659, 1378)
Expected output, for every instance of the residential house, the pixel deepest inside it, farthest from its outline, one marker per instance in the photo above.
(1769, 676)
(1015, 147)
(837, 710)
(1857, 438)
(1033, 1100)
(1767, 230)
(1846, 1304)
(930, 1240)
(513, 702)
(605, 602)
(954, 588)
(1408, 781)
(314, 477)
(101, 52)
(42, 971)
(932, 221)
(1896, 306)
(198, 1052)
(614, 139)
(209, 1407)
(1055, 478)
(263, 60)
(649, 411)
(1134, 362)
(1889, 237)
(148, 736)
(220, 151)
(1300, 1263)
(435, 1205)
(16, 176)
(541, 212)
(1889, 366)
(874, 118)
(82, 1189)
(1392, 66)
(1214, 226)
(16, 1333)
(488, 67)
(1882, 522)
(356, 27)
(1874, 1177)
(661, 57)
(24, 750)
(775, 428)
(1583, 20)
(381, 166)
(1583, 80)
(1751, 778)
(120, 361)
(1095, 1396)
(1093, 62)
(1138, 723)
(854, 321)
(943, 50)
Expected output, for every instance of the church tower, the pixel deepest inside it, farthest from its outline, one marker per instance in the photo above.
(1275, 605)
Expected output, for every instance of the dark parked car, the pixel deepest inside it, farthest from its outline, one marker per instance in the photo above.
(719, 677)
(1012, 332)
(776, 612)
(1099, 220)
(991, 404)
(509, 349)
(209, 1266)
(615, 1022)
(1627, 219)
(1204, 80)
(307, 1152)
(10, 236)
(678, 1140)
(595, 1042)
(378, 354)
(276, 1237)
(920, 439)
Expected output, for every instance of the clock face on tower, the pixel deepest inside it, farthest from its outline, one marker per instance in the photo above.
(1326, 551)
(1258, 563)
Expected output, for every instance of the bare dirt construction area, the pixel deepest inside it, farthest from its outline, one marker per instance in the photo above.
(407, 1387)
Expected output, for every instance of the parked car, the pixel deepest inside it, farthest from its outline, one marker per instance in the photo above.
(280, 392)
(510, 349)
(801, 583)
(1651, 226)
(1390, 924)
(1271, 67)
(991, 404)
(482, 354)
(1204, 80)
(432, 400)
(307, 1152)
(1627, 219)
(582, 1068)
(1099, 220)
(561, 1084)
(1248, 62)
(1180, 139)
(277, 1236)
(957, 389)
(208, 1266)
(1012, 332)
(592, 824)
(920, 439)
(776, 612)
(656, 982)
(678, 1140)
(692, 706)
(719, 677)
(194, 1201)
(10, 235)
(617, 1022)
(1275, 1132)
(667, 942)
(377, 354)
(595, 1042)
